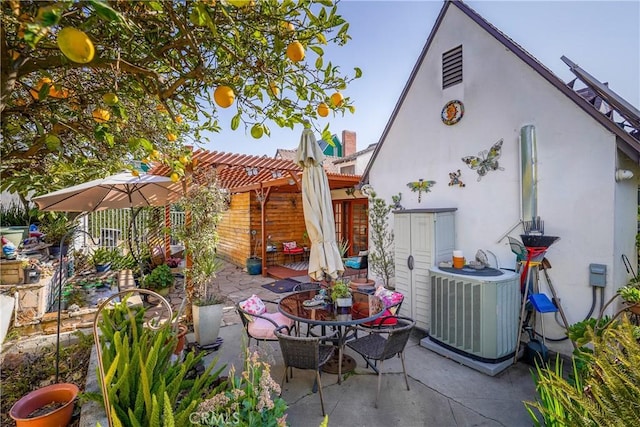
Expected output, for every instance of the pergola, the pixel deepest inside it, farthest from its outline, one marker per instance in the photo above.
(241, 173)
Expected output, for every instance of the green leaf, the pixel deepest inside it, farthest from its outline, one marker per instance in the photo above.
(235, 122)
(197, 16)
(48, 16)
(358, 72)
(319, 62)
(104, 11)
(317, 50)
(156, 5)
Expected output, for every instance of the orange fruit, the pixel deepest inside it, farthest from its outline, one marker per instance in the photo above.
(257, 131)
(337, 99)
(76, 45)
(135, 172)
(110, 98)
(287, 27)
(172, 137)
(175, 177)
(161, 108)
(53, 92)
(155, 155)
(183, 159)
(323, 110)
(178, 119)
(194, 162)
(101, 115)
(295, 51)
(224, 96)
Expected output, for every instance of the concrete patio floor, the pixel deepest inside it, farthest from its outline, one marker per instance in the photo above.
(443, 392)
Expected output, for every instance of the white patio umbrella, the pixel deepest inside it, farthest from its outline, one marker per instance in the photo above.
(121, 190)
(324, 258)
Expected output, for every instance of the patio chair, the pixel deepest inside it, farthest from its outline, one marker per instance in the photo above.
(304, 353)
(292, 249)
(378, 348)
(260, 323)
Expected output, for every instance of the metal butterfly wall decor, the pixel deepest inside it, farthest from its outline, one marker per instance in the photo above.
(487, 160)
(420, 186)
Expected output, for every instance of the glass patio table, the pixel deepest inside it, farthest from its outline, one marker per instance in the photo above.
(365, 308)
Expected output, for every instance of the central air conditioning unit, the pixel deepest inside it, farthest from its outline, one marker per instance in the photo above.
(475, 316)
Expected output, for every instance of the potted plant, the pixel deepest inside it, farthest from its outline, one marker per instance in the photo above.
(341, 294)
(631, 295)
(54, 230)
(305, 240)
(101, 259)
(381, 259)
(204, 205)
(160, 280)
(343, 247)
(47, 406)
(131, 351)
(254, 262)
(207, 306)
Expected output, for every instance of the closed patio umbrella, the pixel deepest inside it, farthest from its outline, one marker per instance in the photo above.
(324, 257)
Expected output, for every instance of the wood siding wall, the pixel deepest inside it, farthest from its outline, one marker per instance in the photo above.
(284, 223)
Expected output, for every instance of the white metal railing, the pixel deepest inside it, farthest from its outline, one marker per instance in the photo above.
(110, 227)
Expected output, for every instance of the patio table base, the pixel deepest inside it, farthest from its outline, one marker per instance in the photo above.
(348, 364)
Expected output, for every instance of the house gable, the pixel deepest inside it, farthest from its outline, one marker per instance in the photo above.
(625, 141)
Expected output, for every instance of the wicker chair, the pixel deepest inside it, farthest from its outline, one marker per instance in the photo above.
(261, 327)
(375, 347)
(304, 353)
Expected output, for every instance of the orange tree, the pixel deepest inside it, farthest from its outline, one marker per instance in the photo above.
(90, 87)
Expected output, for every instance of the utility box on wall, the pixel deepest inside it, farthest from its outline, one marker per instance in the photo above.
(598, 275)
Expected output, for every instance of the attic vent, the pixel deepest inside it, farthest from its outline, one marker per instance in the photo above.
(452, 67)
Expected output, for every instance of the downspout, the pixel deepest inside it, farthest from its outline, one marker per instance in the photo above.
(528, 173)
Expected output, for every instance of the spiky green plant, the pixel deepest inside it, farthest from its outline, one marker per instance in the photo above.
(147, 388)
(609, 395)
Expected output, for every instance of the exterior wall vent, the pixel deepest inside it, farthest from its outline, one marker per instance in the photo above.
(452, 67)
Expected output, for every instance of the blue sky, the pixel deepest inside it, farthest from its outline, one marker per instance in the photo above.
(602, 37)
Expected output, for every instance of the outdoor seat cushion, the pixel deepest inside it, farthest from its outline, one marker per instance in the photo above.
(356, 262)
(253, 305)
(361, 309)
(263, 329)
(389, 297)
(291, 248)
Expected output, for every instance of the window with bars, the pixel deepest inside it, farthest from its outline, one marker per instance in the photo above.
(452, 67)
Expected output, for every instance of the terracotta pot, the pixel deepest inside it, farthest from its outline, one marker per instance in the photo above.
(634, 308)
(361, 282)
(61, 392)
(182, 339)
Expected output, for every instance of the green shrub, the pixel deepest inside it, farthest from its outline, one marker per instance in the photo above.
(145, 387)
(159, 278)
(609, 392)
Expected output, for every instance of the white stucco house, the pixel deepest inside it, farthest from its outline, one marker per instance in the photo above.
(580, 175)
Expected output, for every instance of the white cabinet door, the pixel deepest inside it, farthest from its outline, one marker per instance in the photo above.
(422, 238)
(422, 247)
(402, 241)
